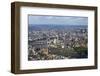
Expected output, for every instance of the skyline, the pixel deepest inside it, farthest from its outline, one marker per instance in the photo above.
(57, 20)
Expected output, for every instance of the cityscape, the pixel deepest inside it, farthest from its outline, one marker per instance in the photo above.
(57, 37)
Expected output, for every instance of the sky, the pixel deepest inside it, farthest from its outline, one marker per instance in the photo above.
(58, 20)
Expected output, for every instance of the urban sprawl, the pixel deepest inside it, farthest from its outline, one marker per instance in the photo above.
(54, 44)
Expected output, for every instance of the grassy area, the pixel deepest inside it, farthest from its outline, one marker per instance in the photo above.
(76, 52)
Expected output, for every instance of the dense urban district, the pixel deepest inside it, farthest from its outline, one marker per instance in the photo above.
(53, 42)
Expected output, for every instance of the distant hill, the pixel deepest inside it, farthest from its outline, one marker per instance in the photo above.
(36, 27)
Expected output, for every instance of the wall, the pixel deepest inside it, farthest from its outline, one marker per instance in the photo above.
(5, 33)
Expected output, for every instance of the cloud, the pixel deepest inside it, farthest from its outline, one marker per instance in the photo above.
(61, 20)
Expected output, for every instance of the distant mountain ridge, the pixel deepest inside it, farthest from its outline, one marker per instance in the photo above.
(41, 27)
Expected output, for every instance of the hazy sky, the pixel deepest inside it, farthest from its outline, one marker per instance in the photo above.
(63, 20)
